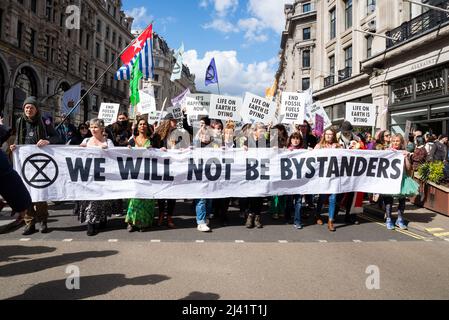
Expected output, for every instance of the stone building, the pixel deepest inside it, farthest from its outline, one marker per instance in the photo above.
(349, 64)
(41, 56)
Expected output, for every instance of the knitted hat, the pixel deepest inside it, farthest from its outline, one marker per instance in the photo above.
(169, 116)
(31, 100)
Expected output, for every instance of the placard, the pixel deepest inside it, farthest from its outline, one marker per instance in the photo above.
(108, 112)
(147, 102)
(316, 108)
(361, 114)
(293, 107)
(225, 107)
(197, 104)
(257, 109)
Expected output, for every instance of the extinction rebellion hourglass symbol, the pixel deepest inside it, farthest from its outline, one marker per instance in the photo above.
(40, 171)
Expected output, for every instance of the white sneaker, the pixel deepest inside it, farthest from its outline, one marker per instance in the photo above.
(203, 227)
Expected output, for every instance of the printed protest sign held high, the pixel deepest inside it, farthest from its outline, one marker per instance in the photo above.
(197, 104)
(147, 102)
(257, 109)
(225, 107)
(361, 114)
(293, 107)
(315, 109)
(108, 112)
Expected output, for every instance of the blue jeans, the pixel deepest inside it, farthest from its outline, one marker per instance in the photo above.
(297, 199)
(202, 207)
(332, 205)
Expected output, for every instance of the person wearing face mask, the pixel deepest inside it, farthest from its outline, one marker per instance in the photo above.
(31, 129)
(121, 131)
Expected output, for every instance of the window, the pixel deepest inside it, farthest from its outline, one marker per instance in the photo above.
(113, 57)
(61, 19)
(106, 56)
(120, 42)
(80, 65)
(332, 24)
(19, 33)
(306, 7)
(68, 60)
(332, 66)
(98, 25)
(97, 50)
(87, 41)
(96, 74)
(32, 41)
(348, 14)
(113, 37)
(33, 5)
(305, 83)
(81, 37)
(306, 33)
(48, 85)
(369, 46)
(348, 57)
(49, 10)
(1, 22)
(370, 6)
(306, 59)
(107, 33)
(156, 78)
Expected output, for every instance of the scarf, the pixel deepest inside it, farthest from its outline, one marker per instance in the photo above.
(36, 121)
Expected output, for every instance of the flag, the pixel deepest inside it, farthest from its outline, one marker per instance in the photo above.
(177, 69)
(146, 63)
(180, 98)
(136, 75)
(137, 45)
(211, 73)
(71, 97)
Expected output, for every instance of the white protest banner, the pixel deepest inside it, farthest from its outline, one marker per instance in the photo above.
(225, 107)
(147, 102)
(257, 109)
(293, 107)
(67, 173)
(315, 109)
(154, 116)
(197, 104)
(361, 114)
(176, 110)
(108, 112)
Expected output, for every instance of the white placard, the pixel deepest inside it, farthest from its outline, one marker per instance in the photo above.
(108, 112)
(257, 109)
(361, 114)
(176, 111)
(225, 107)
(147, 102)
(154, 116)
(197, 104)
(314, 109)
(293, 107)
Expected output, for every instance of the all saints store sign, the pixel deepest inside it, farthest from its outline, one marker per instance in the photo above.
(427, 83)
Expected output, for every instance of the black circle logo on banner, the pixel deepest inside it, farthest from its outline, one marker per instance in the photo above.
(40, 171)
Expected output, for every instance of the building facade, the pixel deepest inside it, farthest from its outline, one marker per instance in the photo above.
(42, 54)
(369, 50)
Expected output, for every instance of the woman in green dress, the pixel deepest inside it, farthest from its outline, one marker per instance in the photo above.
(140, 211)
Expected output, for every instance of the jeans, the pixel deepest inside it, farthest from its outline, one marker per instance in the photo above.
(389, 206)
(332, 205)
(297, 198)
(202, 207)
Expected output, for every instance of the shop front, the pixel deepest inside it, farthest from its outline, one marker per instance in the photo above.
(423, 99)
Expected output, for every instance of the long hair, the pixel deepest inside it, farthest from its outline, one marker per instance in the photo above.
(164, 129)
(323, 138)
(149, 128)
(282, 135)
(401, 137)
(381, 139)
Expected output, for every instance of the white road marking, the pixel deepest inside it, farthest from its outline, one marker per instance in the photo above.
(239, 241)
(25, 239)
(113, 240)
(155, 240)
(67, 240)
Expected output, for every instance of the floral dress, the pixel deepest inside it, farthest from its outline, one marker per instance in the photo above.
(96, 211)
(141, 211)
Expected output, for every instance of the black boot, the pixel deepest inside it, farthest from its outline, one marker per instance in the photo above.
(102, 224)
(44, 228)
(91, 229)
(29, 229)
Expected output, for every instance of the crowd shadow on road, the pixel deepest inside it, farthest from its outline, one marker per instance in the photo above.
(36, 265)
(15, 253)
(89, 286)
(195, 295)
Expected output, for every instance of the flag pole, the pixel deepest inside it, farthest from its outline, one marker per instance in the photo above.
(218, 84)
(96, 81)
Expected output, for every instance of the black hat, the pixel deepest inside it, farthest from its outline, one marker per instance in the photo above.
(346, 126)
(31, 100)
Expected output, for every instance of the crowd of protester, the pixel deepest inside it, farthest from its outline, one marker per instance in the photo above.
(212, 133)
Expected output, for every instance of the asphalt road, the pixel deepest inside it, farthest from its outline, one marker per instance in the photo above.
(276, 262)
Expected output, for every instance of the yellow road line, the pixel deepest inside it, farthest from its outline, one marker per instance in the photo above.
(443, 234)
(431, 230)
(408, 233)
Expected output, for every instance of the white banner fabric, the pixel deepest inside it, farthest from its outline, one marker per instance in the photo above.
(64, 173)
